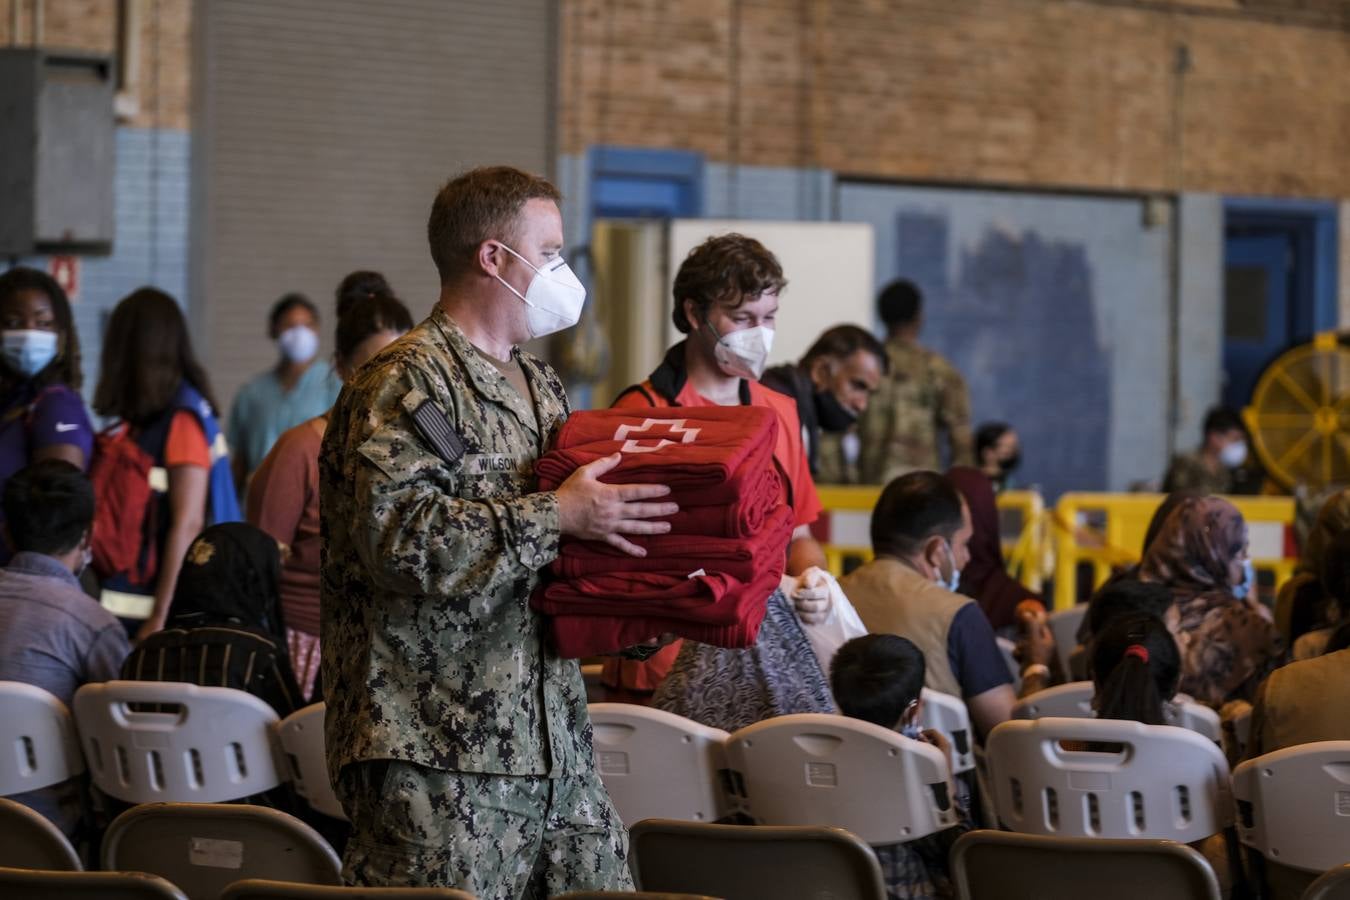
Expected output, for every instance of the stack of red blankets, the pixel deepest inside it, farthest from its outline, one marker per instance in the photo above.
(710, 577)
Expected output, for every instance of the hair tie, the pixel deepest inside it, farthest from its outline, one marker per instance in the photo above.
(1139, 651)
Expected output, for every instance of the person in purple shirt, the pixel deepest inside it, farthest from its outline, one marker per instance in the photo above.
(42, 415)
(52, 634)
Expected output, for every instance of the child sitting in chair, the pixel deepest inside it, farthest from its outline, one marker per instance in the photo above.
(878, 678)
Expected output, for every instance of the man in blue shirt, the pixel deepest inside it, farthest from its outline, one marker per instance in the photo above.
(52, 634)
(920, 532)
(296, 390)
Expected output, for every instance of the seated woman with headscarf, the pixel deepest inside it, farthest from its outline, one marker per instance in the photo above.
(1311, 603)
(1227, 644)
(985, 577)
(224, 627)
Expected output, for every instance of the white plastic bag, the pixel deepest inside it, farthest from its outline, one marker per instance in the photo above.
(843, 623)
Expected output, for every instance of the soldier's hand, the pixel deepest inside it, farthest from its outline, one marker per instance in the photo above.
(590, 509)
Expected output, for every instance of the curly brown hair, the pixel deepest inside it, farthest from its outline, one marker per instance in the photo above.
(727, 269)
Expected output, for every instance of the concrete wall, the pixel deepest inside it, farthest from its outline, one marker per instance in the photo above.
(1054, 308)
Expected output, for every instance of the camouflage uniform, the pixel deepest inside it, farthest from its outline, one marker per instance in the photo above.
(1188, 472)
(922, 394)
(458, 741)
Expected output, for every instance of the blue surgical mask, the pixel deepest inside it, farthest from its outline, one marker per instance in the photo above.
(911, 731)
(29, 351)
(954, 579)
(1241, 591)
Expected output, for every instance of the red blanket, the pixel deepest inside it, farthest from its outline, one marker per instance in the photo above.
(680, 554)
(708, 456)
(577, 636)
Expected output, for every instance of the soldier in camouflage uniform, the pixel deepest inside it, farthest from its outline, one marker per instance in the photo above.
(922, 395)
(1211, 469)
(457, 740)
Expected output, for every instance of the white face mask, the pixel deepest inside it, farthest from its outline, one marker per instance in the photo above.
(1233, 455)
(555, 296)
(299, 344)
(28, 352)
(952, 581)
(744, 353)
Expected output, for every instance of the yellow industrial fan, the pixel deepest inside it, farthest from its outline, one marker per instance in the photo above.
(1299, 417)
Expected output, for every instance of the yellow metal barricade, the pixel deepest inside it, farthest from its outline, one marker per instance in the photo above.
(847, 517)
(1107, 532)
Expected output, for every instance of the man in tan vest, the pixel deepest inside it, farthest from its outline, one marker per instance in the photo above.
(920, 529)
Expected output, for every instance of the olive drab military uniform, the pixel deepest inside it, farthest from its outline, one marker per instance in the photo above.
(1188, 472)
(922, 395)
(457, 740)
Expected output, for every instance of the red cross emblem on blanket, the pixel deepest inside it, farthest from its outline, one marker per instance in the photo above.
(659, 430)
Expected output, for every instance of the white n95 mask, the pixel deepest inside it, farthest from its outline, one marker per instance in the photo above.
(298, 344)
(555, 296)
(745, 353)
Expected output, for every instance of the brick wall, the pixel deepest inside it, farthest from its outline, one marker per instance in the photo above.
(162, 77)
(1056, 93)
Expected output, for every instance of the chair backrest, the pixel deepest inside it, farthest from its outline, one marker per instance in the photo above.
(1064, 626)
(264, 889)
(948, 714)
(1239, 729)
(754, 861)
(656, 764)
(1065, 701)
(1006, 649)
(1074, 701)
(999, 865)
(820, 769)
(1294, 805)
(32, 842)
(1108, 778)
(218, 746)
(301, 737)
(1333, 885)
(205, 847)
(38, 739)
(36, 883)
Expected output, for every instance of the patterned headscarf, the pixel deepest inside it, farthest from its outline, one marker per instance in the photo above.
(1196, 546)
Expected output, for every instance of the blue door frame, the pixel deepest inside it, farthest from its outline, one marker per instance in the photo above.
(1292, 246)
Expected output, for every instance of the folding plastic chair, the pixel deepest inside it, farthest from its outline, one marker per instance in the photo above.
(37, 735)
(1074, 701)
(1108, 778)
(999, 865)
(32, 842)
(301, 737)
(1064, 625)
(36, 884)
(1333, 885)
(818, 769)
(205, 847)
(948, 715)
(263, 889)
(218, 746)
(656, 764)
(736, 861)
(1294, 805)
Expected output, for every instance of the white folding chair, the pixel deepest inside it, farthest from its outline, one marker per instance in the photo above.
(1108, 778)
(1066, 701)
(1064, 625)
(1005, 649)
(301, 737)
(1294, 805)
(1074, 701)
(217, 746)
(948, 714)
(819, 769)
(205, 847)
(657, 765)
(37, 735)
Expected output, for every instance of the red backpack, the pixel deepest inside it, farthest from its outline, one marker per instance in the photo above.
(123, 499)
